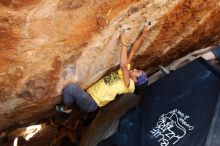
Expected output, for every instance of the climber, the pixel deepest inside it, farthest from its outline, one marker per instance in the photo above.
(212, 55)
(125, 80)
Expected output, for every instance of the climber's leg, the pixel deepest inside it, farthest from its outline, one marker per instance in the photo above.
(74, 95)
(82, 99)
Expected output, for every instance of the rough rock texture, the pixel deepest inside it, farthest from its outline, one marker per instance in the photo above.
(48, 44)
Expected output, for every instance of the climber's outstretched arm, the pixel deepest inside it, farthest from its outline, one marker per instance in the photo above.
(124, 59)
(137, 43)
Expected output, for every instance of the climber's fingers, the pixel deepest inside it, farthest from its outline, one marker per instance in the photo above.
(124, 38)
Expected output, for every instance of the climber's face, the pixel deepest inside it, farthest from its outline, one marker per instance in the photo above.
(134, 74)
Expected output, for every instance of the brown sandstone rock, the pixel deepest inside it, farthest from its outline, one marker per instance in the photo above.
(48, 44)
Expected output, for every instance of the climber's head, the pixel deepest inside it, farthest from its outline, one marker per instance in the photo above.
(138, 76)
(140, 79)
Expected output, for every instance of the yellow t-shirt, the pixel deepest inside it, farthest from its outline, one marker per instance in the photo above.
(106, 89)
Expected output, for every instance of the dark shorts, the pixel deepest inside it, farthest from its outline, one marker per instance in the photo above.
(216, 52)
(74, 95)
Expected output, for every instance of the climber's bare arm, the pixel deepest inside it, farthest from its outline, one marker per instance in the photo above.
(137, 43)
(124, 59)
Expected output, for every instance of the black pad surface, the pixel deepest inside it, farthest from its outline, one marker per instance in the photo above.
(176, 110)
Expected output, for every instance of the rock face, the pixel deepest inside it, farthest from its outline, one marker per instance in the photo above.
(48, 44)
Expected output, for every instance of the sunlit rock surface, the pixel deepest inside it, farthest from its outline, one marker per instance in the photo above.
(46, 44)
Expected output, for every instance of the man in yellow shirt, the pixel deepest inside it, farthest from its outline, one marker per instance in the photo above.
(105, 90)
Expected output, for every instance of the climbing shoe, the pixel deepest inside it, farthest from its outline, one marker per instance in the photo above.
(61, 109)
